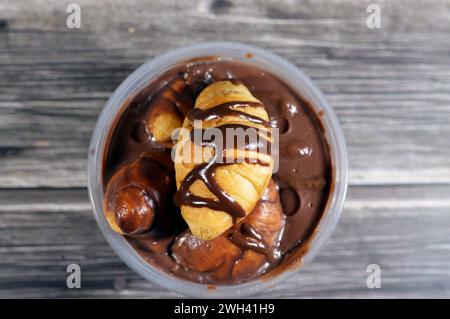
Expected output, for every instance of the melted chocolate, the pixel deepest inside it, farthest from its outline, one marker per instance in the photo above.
(249, 238)
(206, 173)
(227, 109)
(303, 178)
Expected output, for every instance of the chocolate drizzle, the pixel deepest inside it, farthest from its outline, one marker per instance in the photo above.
(206, 171)
(249, 238)
(228, 109)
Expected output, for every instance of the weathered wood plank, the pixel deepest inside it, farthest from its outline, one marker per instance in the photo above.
(404, 229)
(390, 87)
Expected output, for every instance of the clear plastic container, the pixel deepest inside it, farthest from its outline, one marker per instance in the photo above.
(267, 61)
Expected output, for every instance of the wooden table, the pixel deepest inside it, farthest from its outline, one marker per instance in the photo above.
(390, 88)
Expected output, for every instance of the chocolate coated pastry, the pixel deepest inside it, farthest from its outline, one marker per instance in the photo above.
(138, 195)
(243, 251)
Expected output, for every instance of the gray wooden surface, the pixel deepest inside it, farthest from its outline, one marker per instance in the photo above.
(390, 88)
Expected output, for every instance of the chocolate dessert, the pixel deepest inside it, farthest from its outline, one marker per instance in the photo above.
(234, 214)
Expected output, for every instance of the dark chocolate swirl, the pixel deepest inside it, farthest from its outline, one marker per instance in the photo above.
(228, 109)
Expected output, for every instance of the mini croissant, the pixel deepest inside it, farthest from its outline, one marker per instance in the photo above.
(223, 185)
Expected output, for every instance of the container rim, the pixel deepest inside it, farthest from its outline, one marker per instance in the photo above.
(268, 61)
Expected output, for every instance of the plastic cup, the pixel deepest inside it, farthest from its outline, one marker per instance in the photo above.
(267, 61)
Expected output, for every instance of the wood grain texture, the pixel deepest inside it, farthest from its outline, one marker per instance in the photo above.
(390, 88)
(404, 229)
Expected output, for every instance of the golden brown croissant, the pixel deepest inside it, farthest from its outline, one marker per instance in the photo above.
(212, 195)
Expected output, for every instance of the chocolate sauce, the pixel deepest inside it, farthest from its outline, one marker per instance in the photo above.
(276, 233)
(227, 109)
(249, 238)
(206, 173)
